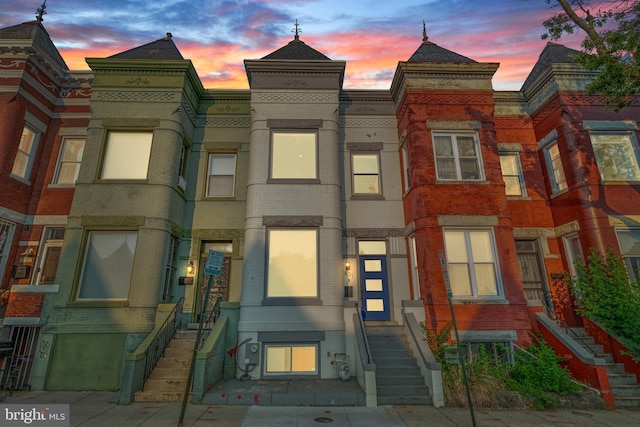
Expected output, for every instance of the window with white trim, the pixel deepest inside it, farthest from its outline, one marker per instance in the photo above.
(366, 173)
(413, 258)
(573, 250)
(127, 155)
(26, 153)
(294, 359)
(629, 242)
(221, 175)
(457, 156)
(407, 174)
(472, 265)
(108, 265)
(292, 263)
(182, 168)
(294, 155)
(69, 161)
(616, 155)
(512, 174)
(554, 165)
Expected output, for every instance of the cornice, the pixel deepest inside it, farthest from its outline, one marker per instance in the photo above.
(280, 74)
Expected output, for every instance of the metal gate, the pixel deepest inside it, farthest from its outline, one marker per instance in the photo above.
(16, 369)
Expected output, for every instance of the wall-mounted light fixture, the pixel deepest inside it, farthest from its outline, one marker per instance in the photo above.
(347, 266)
(190, 268)
(27, 252)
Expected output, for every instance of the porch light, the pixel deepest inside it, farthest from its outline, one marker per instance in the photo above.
(347, 266)
(190, 268)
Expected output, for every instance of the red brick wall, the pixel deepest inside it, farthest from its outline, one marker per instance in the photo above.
(25, 304)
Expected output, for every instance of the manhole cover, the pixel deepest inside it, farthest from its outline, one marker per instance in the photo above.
(324, 420)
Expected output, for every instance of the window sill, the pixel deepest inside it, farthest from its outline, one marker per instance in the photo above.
(367, 197)
(518, 198)
(65, 186)
(20, 179)
(619, 182)
(559, 193)
(462, 181)
(220, 198)
(120, 181)
(97, 304)
(293, 181)
(280, 301)
(476, 301)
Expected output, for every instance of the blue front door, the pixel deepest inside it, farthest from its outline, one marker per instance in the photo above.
(374, 287)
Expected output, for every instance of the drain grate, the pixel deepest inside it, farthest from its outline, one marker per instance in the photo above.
(324, 420)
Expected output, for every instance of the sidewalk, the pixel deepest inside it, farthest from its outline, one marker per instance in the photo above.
(99, 409)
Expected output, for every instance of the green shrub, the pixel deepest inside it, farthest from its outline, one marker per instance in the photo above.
(537, 374)
(605, 294)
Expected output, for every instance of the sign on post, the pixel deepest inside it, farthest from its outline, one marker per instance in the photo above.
(213, 265)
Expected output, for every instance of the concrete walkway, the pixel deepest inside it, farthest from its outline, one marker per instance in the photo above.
(96, 409)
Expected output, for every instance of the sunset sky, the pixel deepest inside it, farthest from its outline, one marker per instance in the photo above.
(371, 35)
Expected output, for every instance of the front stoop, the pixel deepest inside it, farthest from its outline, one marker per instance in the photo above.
(169, 378)
(398, 377)
(624, 386)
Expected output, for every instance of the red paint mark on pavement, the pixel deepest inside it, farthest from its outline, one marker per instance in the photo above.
(256, 398)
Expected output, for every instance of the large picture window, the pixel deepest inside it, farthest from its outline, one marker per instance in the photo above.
(108, 264)
(293, 263)
(471, 258)
(26, 153)
(617, 159)
(69, 161)
(221, 175)
(293, 155)
(457, 157)
(127, 155)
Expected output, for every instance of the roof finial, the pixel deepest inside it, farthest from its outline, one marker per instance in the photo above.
(297, 31)
(424, 32)
(41, 11)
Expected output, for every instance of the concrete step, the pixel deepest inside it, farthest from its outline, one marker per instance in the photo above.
(412, 380)
(615, 368)
(627, 402)
(384, 330)
(621, 379)
(185, 334)
(400, 362)
(405, 400)
(182, 343)
(608, 358)
(152, 396)
(169, 373)
(169, 385)
(169, 362)
(625, 390)
(178, 352)
(395, 371)
(403, 390)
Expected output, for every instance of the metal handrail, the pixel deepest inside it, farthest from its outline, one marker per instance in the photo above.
(211, 317)
(364, 334)
(161, 340)
(574, 335)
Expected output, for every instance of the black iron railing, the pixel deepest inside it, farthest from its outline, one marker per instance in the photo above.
(163, 336)
(210, 316)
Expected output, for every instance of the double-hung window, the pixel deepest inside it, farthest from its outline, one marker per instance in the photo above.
(69, 161)
(294, 155)
(127, 155)
(108, 265)
(471, 258)
(616, 156)
(629, 241)
(292, 269)
(406, 170)
(221, 175)
(457, 156)
(512, 174)
(26, 153)
(366, 173)
(554, 165)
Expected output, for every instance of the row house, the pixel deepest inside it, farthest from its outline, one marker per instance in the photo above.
(336, 210)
